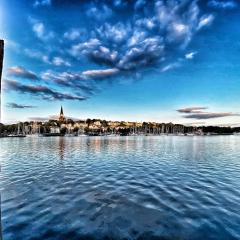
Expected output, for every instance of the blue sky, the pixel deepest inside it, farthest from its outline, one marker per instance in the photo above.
(138, 60)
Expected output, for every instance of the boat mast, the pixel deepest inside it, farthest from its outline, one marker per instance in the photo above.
(23, 129)
(18, 129)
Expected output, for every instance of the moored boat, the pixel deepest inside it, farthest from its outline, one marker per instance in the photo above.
(53, 134)
(16, 135)
(236, 133)
(19, 134)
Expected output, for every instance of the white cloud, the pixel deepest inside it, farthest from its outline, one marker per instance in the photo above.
(149, 38)
(36, 55)
(190, 55)
(83, 48)
(40, 30)
(19, 71)
(39, 3)
(73, 34)
(101, 73)
(205, 20)
(58, 61)
(223, 4)
(99, 14)
(180, 28)
(170, 67)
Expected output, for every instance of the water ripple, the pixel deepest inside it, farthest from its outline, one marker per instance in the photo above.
(120, 188)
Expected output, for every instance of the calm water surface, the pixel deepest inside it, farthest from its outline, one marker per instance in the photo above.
(120, 188)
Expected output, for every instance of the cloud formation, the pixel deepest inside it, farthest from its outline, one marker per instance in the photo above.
(34, 54)
(44, 92)
(44, 58)
(98, 13)
(138, 35)
(210, 115)
(148, 39)
(170, 66)
(190, 55)
(58, 61)
(191, 109)
(74, 34)
(21, 72)
(40, 30)
(204, 21)
(86, 82)
(38, 3)
(223, 4)
(197, 113)
(19, 106)
(101, 73)
(75, 82)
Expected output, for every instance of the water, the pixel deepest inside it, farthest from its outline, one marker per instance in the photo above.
(120, 188)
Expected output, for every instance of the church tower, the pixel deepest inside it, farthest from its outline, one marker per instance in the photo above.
(61, 116)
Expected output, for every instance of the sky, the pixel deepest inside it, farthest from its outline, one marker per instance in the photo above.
(162, 61)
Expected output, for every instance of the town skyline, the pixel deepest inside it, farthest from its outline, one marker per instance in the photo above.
(63, 126)
(106, 62)
(68, 118)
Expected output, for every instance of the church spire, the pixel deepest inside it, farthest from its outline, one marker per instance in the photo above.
(61, 116)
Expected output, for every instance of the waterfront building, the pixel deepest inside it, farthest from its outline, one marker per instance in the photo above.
(27, 129)
(35, 127)
(97, 123)
(54, 129)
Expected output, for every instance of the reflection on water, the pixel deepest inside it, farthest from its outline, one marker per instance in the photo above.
(61, 147)
(120, 188)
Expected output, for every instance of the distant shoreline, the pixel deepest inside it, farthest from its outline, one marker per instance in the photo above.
(118, 135)
(98, 127)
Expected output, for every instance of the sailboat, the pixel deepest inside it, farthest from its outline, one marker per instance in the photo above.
(20, 132)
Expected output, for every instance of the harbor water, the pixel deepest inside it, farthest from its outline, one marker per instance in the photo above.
(136, 187)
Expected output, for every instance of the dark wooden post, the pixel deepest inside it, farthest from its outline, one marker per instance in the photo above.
(1, 65)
